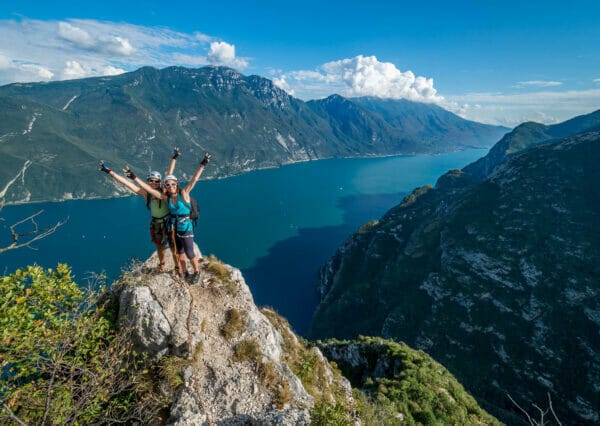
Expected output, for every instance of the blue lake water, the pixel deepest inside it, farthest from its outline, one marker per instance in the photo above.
(277, 225)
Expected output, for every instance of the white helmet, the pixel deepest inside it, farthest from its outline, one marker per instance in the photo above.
(170, 177)
(153, 175)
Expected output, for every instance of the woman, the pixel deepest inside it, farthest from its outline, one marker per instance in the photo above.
(159, 209)
(180, 207)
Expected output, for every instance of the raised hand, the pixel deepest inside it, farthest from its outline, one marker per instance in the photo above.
(129, 173)
(176, 153)
(206, 159)
(103, 168)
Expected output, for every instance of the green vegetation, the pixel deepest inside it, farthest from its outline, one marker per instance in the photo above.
(62, 358)
(367, 226)
(247, 350)
(312, 370)
(402, 385)
(221, 274)
(235, 323)
(172, 368)
(485, 275)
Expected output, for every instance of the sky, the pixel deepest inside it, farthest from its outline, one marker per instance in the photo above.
(497, 62)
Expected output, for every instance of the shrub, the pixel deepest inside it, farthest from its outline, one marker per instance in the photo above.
(247, 350)
(235, 324)
(63, 360)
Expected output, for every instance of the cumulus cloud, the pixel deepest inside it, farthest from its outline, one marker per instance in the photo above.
(74, 69)
(222, 53)
(362, 76)
(74, 48)
(282, 84)
(538, 83)
(596, 80)
(111, 44)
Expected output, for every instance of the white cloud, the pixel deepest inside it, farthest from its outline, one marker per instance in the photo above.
(512, 109)
(37, 70)
(100, 48)
(5, 61)
(111, 44)
(282, 84)
(362, 76)
(596, 80)
(222, 53)
(538, 83)
(74, 69)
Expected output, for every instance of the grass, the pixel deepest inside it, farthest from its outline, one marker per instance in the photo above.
(247, 350)
(171, 369)
(235, 323)
(221, 274)
(331, 405)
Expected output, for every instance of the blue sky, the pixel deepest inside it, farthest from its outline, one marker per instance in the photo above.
(500, 62)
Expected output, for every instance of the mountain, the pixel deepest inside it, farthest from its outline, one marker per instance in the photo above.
(527, 135)
(432, 125)
(52, 135)
(496, 278)
(390, 125)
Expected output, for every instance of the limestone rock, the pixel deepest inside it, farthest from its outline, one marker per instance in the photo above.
(223, 384)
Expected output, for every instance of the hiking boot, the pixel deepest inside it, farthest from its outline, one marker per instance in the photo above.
(194, 278)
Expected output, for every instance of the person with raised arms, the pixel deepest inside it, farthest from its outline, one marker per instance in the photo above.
(180, 207)
(159, 209)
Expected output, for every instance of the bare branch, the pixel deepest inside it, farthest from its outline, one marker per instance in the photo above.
(12, 415)
(37, 233)
(531, 422)
(552, 410)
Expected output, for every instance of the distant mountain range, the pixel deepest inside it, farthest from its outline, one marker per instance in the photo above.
(495, 272)
(53, 134)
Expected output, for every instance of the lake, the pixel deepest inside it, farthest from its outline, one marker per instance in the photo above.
(277, 225)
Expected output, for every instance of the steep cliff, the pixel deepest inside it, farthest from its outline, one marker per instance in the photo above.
(497, 278)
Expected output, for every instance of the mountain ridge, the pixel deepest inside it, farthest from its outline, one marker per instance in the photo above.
(484, 274)
(246, 122)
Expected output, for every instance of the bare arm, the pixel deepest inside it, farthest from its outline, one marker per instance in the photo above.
(188, 188)
(147, 188)
(171, 167)
(130, 185)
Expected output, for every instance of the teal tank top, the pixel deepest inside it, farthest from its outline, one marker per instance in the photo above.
(180, 214)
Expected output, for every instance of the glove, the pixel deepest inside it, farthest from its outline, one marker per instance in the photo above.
(129, 173)
(103, 167)
(206, 159)
(176, 153)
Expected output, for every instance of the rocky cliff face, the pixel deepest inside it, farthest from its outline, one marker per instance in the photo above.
(496, 278)
(239, 365)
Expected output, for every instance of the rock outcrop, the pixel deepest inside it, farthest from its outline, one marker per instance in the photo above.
(237, 360)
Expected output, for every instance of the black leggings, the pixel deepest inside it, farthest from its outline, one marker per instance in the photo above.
(185, 243)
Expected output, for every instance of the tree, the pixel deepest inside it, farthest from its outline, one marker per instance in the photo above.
(62, 358)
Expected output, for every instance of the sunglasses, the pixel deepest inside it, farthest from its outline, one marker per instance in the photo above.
(153, 181)
(170, 184)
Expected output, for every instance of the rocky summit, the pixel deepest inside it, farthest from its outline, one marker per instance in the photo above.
(236, 360)
(495, 277)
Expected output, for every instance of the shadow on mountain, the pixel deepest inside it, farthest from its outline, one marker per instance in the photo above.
(287, 276)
